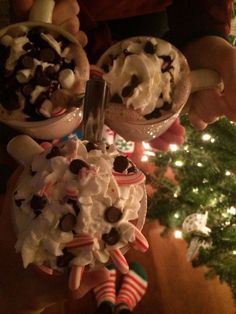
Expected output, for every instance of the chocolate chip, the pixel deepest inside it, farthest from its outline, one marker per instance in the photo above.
(40, 77)
(47, 55)
(19, 201)
(27, 62)
(112, 237)
(74, 204)
(105, 67)
(90, 146)
(76, 165)
(38, 202)
(120, 163)
(50, 71)
(127, 91)
(149, 47)
(126, 52)
(27, 89)
(116, 98)
(64, 260)
(67, 222)
(132, 169)
(135, 80)
(112, 214)
(55, 151)
(154, 114)
(9, 100)
(28, 46)
(166, 106)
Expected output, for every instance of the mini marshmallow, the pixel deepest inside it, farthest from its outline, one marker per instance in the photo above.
(67, 78)
(6, 40)
(46, 108)
(23, 76)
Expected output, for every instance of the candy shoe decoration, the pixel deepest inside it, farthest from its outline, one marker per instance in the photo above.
(71, 210)
(105, 293)
(195, 224)
(133, 288)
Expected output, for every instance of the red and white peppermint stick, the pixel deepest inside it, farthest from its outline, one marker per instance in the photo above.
(76, 273)
(45, 188)
(140, 243)
(82, 241)
(46, 269)
(95, 71)
(119, 260)
(129, 178)
(58, 111)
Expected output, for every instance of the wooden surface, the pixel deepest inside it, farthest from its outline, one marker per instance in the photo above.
(174, 286)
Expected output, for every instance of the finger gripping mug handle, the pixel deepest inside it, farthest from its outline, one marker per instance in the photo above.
(202, 79)
(42, 11)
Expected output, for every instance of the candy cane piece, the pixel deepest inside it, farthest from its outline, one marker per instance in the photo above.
(76, 273)
(140, 243)
(129, 178)
(82, 241)
(119, 260)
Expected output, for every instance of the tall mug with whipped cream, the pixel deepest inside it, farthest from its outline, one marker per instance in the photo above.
(150, 82)
(76, 206)
(43, 75)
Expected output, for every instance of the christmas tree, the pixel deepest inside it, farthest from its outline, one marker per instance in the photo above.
(198, 180)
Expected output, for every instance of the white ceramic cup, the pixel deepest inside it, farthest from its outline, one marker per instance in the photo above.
(64, 124)
(118, 117)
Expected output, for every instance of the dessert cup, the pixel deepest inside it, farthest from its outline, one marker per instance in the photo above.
(150, 83)
(44, 72)
(76, 206)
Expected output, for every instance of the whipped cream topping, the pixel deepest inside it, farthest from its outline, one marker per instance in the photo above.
(142, 74)
(35, 64)
(75, 204)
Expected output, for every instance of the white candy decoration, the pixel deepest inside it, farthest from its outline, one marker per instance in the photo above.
(67, 78)
(196, 222)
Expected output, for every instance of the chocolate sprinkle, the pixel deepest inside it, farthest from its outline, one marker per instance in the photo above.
(149, 47)
(90, 146)
(135, 80)
(154, 114)
(112, 214)
(74, 204)
(120, 163)
(64, 260)
(76, 165)
(116, 98)
(38, 202)
(55, 151)
(19, 201)
(40, 77)
(112, 237)
(127, 91)
(67, 222)
(47, 55)
(27, 61)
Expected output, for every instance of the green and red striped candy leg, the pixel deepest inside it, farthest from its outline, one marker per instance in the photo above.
(106, 291)
(133, 288)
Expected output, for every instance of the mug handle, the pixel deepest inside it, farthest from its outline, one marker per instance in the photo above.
(202, 79)
(42, 11)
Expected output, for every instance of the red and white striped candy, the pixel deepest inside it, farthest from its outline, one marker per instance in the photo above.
(129, 178)
(140, 243)
(82, 241)
(46, 269)
(76, 273)
(119, 260)
(58, 111)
